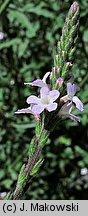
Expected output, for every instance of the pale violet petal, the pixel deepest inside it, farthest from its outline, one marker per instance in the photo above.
(54, 94)
(69, 105)
(37, 82)
(45, 77)
(25, 110)
(79, 104)
(37, 109)
(74, 118)
(66, 109)
(76, 88)
(32, 100)
(52, 107)
(70, 89)
(44, 91)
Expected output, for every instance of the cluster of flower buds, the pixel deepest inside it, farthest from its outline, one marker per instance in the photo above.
(53, 99)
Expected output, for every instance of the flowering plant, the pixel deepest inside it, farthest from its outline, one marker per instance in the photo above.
(55, 100)
(47, 96)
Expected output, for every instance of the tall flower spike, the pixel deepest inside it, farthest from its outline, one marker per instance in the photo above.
(47, 122)
(67, 44)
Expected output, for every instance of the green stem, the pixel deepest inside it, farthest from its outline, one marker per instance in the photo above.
(20, 191)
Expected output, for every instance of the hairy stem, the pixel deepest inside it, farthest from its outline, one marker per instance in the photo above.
(20, 191)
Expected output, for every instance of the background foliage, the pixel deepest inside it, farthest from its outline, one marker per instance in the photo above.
(31, 30)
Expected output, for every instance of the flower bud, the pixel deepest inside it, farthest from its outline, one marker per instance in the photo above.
(37, 118)
(55, 69)
(60, 82)
(69, 64)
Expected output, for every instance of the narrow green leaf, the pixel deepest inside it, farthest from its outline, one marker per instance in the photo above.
(31, 148)
(4, 6)
(36, 167)
(7, 43)
(23, 47)
(20, 18)
(22, 176)
(43, 139)
(38, 128)
(8, 196)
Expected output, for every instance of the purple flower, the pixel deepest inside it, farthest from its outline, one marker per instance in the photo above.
(65, 111)
(39, 82)
(37, 105)
(71, 90)
(45, 101)
(28, 111)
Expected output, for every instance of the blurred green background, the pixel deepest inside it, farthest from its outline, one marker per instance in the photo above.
(31, 31)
